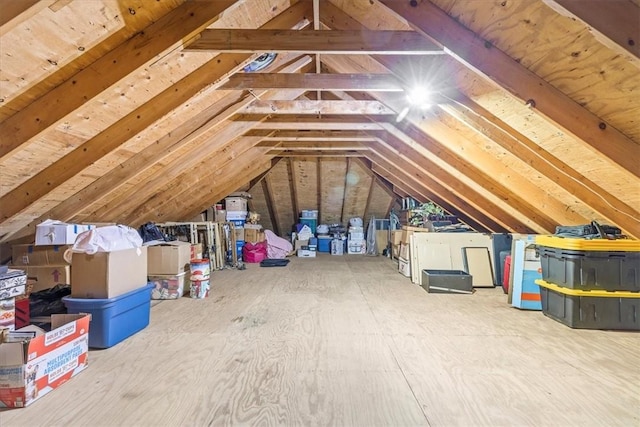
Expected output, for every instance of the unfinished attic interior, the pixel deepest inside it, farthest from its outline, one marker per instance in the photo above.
(512, 117)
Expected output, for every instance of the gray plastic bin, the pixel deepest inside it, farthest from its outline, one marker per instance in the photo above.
(447, 281)
(591, 270)
(584, 312)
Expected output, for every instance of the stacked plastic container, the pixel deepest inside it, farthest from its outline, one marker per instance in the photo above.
(590, 284)
(237, 214)
(310, 219)
(356, 243)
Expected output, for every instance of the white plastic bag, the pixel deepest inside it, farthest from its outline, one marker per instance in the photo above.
(107, 239)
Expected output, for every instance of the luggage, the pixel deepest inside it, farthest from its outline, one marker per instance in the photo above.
(274, 262)
(589, 231)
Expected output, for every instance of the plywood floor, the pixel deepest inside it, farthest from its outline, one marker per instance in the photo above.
(348, 341)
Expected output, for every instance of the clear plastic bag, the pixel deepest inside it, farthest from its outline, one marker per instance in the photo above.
(107, 239)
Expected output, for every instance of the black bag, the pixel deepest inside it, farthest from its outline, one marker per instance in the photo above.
(274, 262)
(150, 232)
(589, 231)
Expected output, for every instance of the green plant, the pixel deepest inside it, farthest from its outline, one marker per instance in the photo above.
(430, 210)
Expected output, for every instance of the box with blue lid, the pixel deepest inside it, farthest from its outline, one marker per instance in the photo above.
(114, 319)
(324, 244)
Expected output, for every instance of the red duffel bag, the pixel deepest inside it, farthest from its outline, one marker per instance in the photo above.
(254, 252)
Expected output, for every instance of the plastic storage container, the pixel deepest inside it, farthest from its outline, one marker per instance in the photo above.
(612, 265)
(239, 246)
(590, 309)
(611, 271)
(324, 244)
(115, 319)
(167, 286)
(447, 281)
(619, 245)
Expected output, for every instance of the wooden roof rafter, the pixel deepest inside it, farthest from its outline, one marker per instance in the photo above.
(500, 69)
(615, 23)
(189, 18)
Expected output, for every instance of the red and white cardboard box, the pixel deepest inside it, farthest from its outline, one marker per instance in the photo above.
(32, 367)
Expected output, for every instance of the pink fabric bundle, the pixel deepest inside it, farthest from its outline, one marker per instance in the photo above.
(277, 247)
(254, 252)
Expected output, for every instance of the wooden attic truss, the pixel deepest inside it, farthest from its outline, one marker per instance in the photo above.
(135, 111)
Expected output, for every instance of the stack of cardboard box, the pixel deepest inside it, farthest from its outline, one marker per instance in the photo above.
(45, 265)
(236, 208)
(168, 269)
(356, 243)
(404, 260)
(12, 284)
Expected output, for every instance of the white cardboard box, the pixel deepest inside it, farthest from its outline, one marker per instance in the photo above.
(8, 314)
(13, 284)
(51, 232)
(305, 253)
(356, 247)
(404, 267)
(31, 368)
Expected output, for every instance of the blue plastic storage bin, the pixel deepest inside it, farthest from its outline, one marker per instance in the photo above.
(239, 245)
(114, 319)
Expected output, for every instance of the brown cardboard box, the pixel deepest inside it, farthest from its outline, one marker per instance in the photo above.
(235, 204)
(47, 276)
(382, 237)
(300, 243)
(396, 237)
(408, 231)
(396, 251)
(239, 233)
(404, 251)
(168, 258)
(26, 372)
(39, 255)
(108, 274)
(221, 215)
(196, 251)
(253, 235)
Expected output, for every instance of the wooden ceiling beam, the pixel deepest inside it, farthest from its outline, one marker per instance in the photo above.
(311, 123)
(347, 42)
(16, 12)
(312, 145)
(615, 23)
(430, 190)
(469, 201)
(500, 69)
(186, 19)
(326, 82)
(443, 149)
(318, 107)
(211, 171)
(318, 135)
(200, 197)
(211, 73)
(196, 196)
(218, 193)
(314, 153)
(512, 194)
(600, 200)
